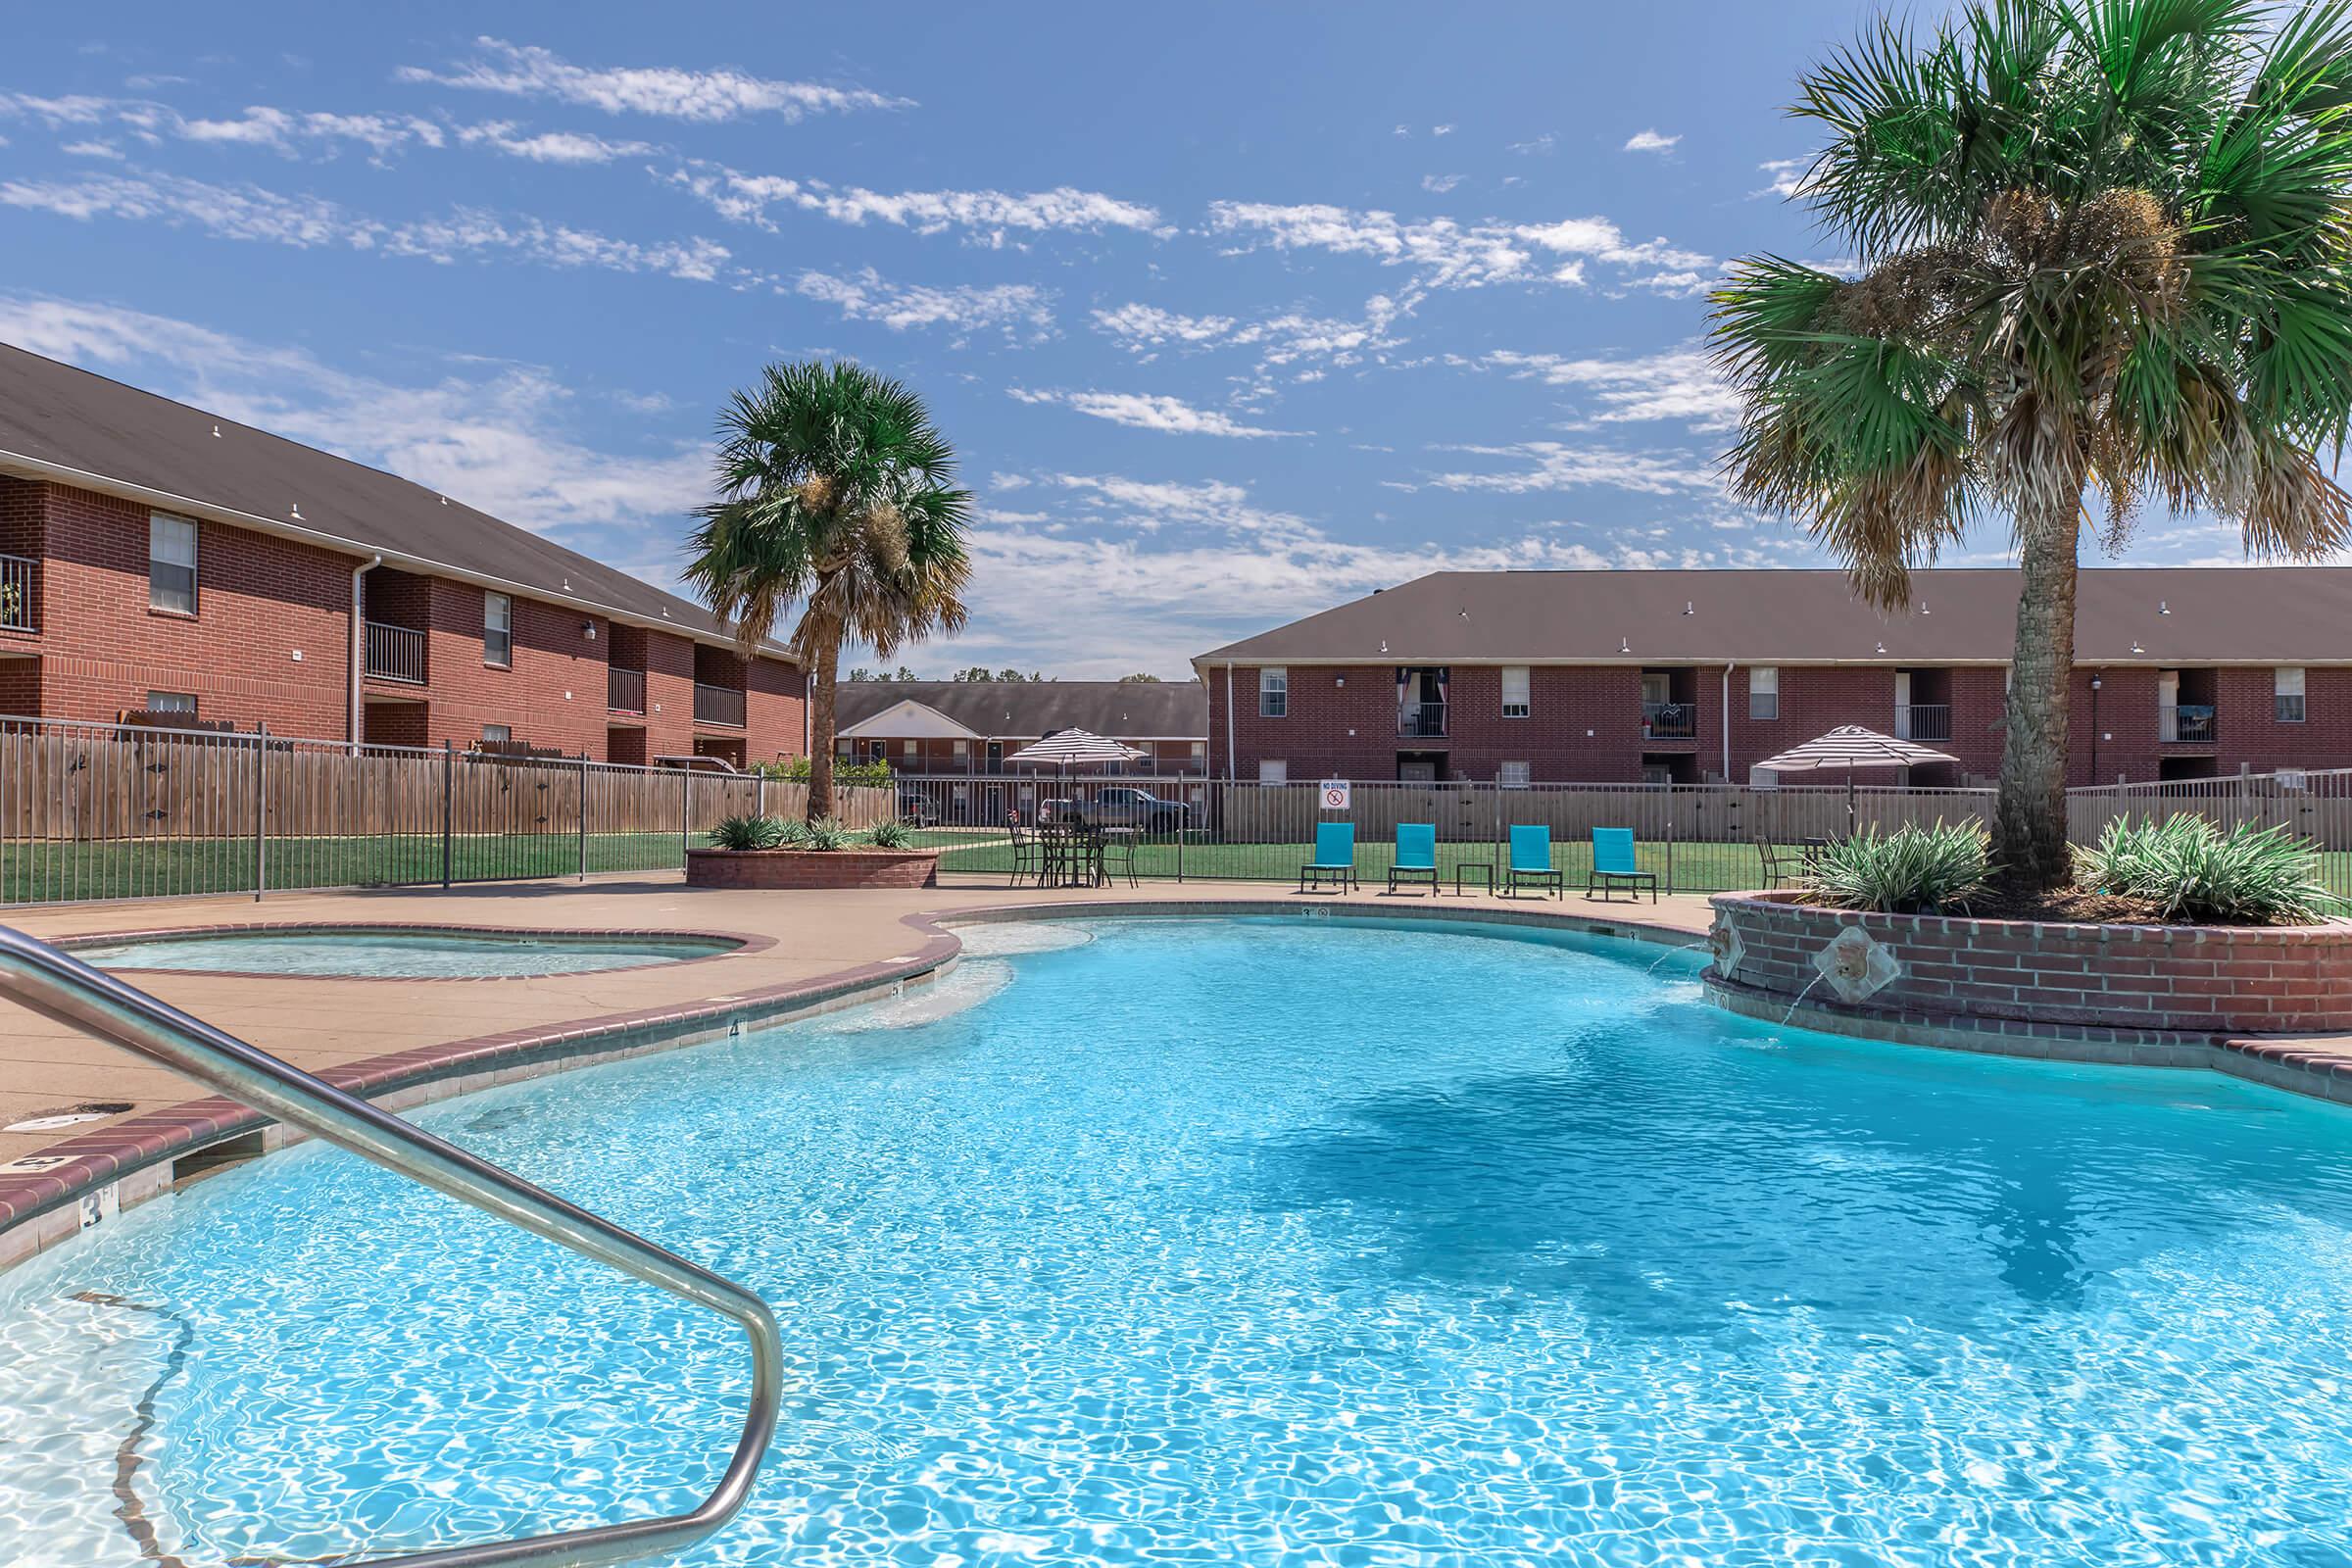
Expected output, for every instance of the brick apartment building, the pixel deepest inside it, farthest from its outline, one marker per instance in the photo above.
(1684, 676)
(973, 727)
(158, 558)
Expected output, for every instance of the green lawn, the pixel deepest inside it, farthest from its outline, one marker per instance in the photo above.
(51, 871)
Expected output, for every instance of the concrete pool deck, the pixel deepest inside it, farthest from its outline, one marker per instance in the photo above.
(405, 1041)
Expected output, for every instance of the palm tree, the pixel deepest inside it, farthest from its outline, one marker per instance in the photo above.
(2102, 246)
(835, 492)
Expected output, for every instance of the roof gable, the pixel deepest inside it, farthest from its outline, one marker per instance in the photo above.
(908, 720)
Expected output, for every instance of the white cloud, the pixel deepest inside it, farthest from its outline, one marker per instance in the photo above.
(1144, 410)
(1553, 466)
(1446, 254)
(1535, 145)
(281, 131)
(1017, 310)
(1650, 142)
(494, 436)
(1280, 339)
(1787, 178)
(1440, 184)
(992, 213)
(1142, 326)
(92, 148)
(252, 214)
(1676, 384)
(529, 71)
(1440, 131)
(549, 147)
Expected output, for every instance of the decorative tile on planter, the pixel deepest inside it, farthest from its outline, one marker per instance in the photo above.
(1856, 967)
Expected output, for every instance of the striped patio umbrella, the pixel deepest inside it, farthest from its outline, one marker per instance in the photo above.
(1848, 747)
(1074, 746)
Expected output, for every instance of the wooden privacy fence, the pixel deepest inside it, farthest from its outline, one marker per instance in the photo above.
(103, 811)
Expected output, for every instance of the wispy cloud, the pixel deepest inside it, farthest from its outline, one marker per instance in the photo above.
(549, 146)
(527, 70)
(1650, 141)
(1281, 339)
(1677, 384)
(1444, 253)
(1440, 184)
(1018, 310)
(1144, 410)
(1554, 466)
(992, 213)
(1786, 174)
(1535, 145)
(252, 214)
(306, 133)
(283, 131)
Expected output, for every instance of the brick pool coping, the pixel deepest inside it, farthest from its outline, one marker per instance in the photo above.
(739, 944)
(125, 1163)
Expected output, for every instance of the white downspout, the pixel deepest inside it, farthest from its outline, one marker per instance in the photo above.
(808, 713)
(1727, 725)
(358, 644)
(1229, 768)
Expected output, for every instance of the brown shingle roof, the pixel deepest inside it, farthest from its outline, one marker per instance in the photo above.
(1168, 710)
(2124, 615)
(56, 416)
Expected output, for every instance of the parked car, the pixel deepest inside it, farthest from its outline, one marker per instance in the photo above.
(916, 808)
(1120, 806)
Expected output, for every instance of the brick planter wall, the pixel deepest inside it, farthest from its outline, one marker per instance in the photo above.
(2211, 980)
(811, 868)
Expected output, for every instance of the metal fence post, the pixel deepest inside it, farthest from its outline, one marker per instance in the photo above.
(261, 812)
(685, 812)
(760, 794)
(583, 817)
(449, 807)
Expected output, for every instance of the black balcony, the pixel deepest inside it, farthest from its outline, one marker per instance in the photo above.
(395, 653)
(1924, 721)
(1670, 721)
(2189, 725)
(624, 690)
(717, 705)
(1421, 722)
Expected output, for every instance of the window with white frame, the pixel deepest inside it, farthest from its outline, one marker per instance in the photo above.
(1514, 692)
(2286, 684)
(964, 747)
(171, 564)
(1273, 692)
(1764, 691)
(1511, 775)
(498, 734)
(498, 630)
(1763, 779)
(1271, 771)
(172, 701)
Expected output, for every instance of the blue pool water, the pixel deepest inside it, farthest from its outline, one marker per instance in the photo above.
(1265, 1243)
(393, 954)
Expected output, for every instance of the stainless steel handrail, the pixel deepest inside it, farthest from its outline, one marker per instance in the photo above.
(58, 986)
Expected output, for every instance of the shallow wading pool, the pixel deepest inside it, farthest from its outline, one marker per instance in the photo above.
(394, 954)
(1226, 1242)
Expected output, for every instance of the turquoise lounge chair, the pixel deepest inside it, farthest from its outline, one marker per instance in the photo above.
(1334, 857)
(1416, 856)
(1613, 866)
(1531, 863)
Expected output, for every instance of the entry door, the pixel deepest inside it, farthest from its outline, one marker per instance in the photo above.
(1902, 705)
(2168, 705)
(1657, 686)
(992, 804)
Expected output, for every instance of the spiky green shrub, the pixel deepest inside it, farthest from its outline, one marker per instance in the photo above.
(2192, 870)
(796, 833)
(827, 833)
(892, 836)
(748, 833)
(1912, 870)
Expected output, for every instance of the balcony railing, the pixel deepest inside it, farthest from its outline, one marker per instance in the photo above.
(395, 653)
(2188, 723)
(1923, 722)
(1421, 722)
(20, 578)
(717, 705)
(624, 690)
(1670, 721)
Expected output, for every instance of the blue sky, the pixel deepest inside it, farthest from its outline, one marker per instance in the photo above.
(1232, 311)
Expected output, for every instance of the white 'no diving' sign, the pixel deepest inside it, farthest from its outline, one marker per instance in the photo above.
(1335, 794)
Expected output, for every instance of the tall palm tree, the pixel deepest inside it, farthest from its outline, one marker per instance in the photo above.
(2104, 252)
(835, 493)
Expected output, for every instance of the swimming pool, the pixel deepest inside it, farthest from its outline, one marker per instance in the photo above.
(387, 954)
(1281, 1241)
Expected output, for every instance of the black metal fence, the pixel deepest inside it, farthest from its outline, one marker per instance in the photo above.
(116, 812)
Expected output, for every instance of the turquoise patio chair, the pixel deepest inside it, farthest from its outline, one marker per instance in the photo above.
(1531, 863)
(1334, 857)
(1613, 866)
(1416, 856)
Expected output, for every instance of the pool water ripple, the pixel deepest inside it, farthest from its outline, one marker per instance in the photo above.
(1224, 1241)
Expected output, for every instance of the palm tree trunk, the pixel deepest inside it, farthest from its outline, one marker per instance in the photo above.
(2030, 817)
(821, 726)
